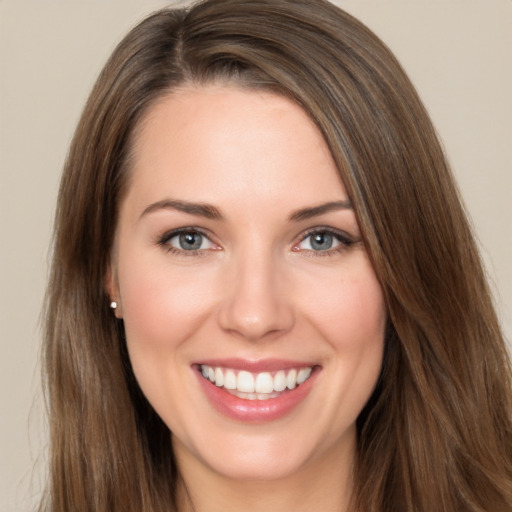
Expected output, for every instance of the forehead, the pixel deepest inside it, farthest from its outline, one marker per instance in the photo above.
(220, 143)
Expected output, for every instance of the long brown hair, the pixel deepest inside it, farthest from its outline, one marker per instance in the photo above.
(436, 433)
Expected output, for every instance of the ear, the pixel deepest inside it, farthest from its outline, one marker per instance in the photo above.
(112, 289)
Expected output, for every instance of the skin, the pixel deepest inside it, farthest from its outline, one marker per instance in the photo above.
(256, 289)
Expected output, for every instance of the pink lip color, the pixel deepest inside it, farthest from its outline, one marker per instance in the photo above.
(255, 411)
(264, 365)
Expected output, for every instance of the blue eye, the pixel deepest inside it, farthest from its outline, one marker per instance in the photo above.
(190, 241)
(324, 241)
(187, 241)
(319, 241)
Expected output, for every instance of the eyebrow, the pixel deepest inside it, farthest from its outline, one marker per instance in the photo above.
(211, 212)
(315, 211)
(200, 209)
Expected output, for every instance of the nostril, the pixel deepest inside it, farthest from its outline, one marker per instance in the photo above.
(268, 321)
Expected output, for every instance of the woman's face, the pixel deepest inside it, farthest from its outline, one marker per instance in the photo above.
(254, 320)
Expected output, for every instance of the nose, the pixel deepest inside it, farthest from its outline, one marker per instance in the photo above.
(256, 303)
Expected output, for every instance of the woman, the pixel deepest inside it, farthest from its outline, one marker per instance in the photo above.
(265, 292)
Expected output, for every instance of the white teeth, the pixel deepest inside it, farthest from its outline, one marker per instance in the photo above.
(291, 379)
(258, 386)
(303, 374)
(219, 377)
(254, 396)
(280, 381)
(245, 382)
(230, 379)
(264, 383)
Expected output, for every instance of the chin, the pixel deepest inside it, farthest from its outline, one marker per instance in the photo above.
(251, 467)
(263, 455)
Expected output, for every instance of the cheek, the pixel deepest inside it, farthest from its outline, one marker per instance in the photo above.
(350, 311)
(162, 309)
(357, 326)
(162, 306)
(350, 315)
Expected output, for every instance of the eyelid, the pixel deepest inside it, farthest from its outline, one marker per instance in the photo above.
(345, 240)
(163, 240)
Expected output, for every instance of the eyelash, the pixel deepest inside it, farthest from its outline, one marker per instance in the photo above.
(345, 241)
(164, 241)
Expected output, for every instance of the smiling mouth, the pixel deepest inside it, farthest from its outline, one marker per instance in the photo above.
(255, 386)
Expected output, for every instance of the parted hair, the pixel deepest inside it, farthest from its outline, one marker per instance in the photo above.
(436, 433)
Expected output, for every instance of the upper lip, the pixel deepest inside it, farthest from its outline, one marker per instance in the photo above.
(256, 366)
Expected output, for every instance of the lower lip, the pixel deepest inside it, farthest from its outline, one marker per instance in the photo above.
(255, 411)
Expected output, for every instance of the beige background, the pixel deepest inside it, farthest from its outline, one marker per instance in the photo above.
(458, 53)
